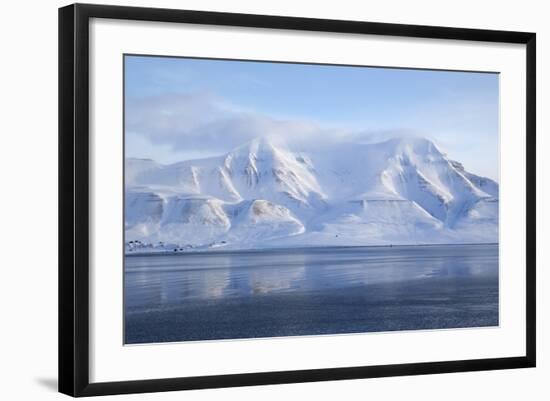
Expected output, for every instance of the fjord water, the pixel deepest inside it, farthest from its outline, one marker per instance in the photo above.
(310, 291)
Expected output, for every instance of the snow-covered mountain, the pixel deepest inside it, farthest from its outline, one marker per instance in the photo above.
(401, 191)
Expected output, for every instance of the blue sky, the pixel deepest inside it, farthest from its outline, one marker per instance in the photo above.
(178, 108)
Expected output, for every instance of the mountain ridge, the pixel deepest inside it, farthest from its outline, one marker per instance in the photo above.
(399, 191)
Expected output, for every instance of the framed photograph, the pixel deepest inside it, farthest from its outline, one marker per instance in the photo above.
(251, 199)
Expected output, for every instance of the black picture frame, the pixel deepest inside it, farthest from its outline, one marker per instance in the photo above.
(74, 198)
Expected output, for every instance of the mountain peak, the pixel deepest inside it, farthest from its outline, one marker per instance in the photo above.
(417, 144)
(412, 148)
(253, 153)
(256, 146)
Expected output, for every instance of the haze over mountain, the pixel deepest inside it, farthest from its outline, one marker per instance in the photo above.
(400, 191)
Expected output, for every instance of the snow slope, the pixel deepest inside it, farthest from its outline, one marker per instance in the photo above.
(400, 191)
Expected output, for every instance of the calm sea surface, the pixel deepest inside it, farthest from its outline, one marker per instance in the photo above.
(275, 293)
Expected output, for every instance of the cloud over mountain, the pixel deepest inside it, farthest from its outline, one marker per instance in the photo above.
(205, 123)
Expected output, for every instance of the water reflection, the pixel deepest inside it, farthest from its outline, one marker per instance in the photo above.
(158, 282)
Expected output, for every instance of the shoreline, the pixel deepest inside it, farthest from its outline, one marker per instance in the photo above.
(298, 248)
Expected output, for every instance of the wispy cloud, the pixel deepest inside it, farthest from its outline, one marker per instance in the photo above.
(201, 123)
